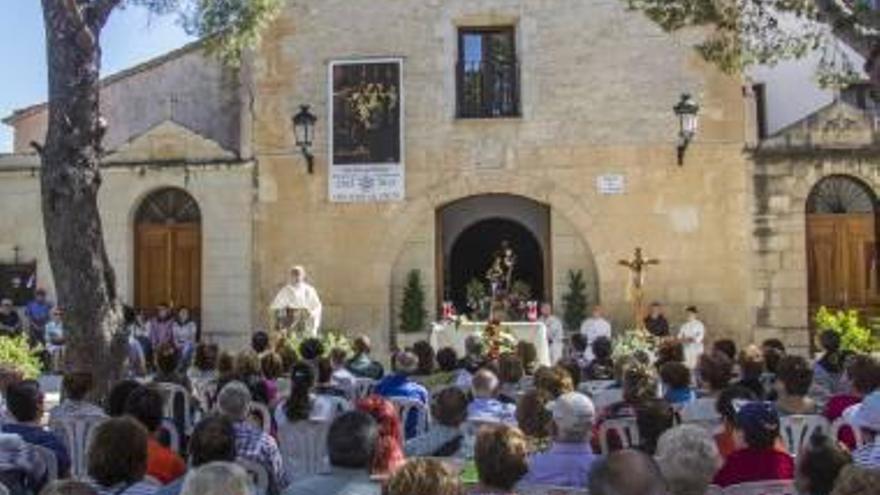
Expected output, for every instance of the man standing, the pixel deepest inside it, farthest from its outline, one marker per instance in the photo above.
(656, 322)
(10, 322)
(302, 299)
(691, 335)
(568, 460)
(38, 312)
(555, 332)
(594, 327)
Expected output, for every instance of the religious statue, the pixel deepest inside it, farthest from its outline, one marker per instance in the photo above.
(635, 283)
(500, 274)
(297, 306)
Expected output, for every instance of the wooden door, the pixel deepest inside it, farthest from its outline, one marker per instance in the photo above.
(168, 265)
(842, 261)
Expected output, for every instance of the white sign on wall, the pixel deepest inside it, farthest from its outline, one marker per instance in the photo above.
(611, 184)
(366, 130)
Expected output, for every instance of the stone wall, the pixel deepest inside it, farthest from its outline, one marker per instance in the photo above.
(185, 86)
(836, 140)
(598, 84)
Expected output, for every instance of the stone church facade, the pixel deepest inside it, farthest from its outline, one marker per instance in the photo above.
(581, 166)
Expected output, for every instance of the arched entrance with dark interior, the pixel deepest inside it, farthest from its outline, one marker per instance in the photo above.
(471, 231)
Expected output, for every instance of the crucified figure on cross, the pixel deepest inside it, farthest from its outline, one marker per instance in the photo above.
(635, 283)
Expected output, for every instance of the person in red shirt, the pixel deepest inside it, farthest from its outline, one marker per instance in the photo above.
(761, 459)
(863, 374)
(145, 405)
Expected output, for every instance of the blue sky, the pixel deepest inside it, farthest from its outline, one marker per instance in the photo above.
(131, 36)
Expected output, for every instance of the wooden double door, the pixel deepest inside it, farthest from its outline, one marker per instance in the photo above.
(842, 261)
(168, 265)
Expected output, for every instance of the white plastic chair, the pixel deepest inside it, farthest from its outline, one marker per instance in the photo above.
(172, 395)
(797, 429)
(841, 423)
(626, 429)
(303, 447)
(257, 472)
(170, 428)
(259, 409)
(363, 387)
(775, 487)
(50, 459)
(76, 432)
(406, 407)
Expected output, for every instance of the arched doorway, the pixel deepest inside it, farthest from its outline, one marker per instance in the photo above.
(471, 230)
(473, 250)
(841, 245)
(168, 251)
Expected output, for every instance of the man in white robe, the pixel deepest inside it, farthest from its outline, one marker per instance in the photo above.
(299, 296)
(594, 327)
(555, 332)
(691, 335)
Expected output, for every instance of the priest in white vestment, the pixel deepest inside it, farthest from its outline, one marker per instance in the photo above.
(594, 327)
(300, 297)
(691, 335)
(555, 332)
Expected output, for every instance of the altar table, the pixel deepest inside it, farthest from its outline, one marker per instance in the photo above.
(447, 335)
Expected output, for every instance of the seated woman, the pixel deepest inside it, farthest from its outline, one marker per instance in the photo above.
(728, 401)
(203, 375)
(793, 380)
(677, 382)
(424, 477)
(688, 459)
(117, 458)
(388, 455)
(74, 387)
(818, 465)
(510, 374)
(449, 410)
(714, 372)
(828, 371)
(500, 455)
(602, 366)
(362, 365)
(167, 363)
(760, 459)
(863, 375)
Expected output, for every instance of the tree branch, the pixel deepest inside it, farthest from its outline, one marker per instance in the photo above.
(845, 25)
(101, 10)
(85, 38)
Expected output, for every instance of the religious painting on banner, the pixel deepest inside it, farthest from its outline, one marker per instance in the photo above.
(366, 136)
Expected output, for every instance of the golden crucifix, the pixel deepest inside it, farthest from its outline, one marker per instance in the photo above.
(635, 283)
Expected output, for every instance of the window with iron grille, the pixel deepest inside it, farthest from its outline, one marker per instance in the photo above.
(487, 73)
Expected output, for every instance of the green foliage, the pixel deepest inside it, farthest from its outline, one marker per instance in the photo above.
(574, 301)
(632, 342)
(17, 355)
(413, 314)
(742, 33)
(228, 26)
(854, 336)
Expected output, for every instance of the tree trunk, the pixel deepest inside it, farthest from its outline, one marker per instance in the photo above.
(70, 178)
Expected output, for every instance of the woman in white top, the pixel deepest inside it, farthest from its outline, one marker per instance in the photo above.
(184, 333)
(691, 335)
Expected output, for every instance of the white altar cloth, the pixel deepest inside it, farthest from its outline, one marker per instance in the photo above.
(445, 334)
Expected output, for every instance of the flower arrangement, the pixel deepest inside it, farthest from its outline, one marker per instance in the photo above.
(633, 342)
(331, 338)
(497, 340)
(853, 335)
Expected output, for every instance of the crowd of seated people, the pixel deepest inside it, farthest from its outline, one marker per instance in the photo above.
(503, 425)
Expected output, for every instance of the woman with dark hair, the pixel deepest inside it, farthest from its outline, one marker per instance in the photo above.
(793, 381)
(145, 405)
(298, 406)
(818, 465)
(510, 375)
(249, 372)
(863, 376)
(714, 372)
(118, 396)
(828, 371)
(533, 418)
(425, 353)
(602, 365)
(168, 365)
(389, 445)
(203, 373)
(272, 369)
(117, 458)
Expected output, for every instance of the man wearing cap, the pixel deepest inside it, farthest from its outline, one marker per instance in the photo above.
(762, 459)
(399, 384)
(568, 460)
(866, 417)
